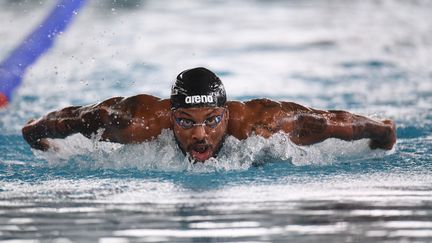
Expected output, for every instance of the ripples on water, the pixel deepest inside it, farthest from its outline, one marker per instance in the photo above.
(368, 57)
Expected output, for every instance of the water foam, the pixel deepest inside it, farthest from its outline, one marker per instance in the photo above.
(162, 153)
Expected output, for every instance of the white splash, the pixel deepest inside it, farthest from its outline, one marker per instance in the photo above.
(163, 154)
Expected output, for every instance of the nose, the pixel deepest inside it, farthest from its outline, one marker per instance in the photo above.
(199, 133)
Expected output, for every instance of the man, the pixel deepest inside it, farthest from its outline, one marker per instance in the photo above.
(201, 118)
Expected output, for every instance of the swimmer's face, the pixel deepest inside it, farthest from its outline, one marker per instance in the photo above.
(200, 132)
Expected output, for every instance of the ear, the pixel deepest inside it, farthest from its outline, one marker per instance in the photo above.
(226, 117)
(171, 115)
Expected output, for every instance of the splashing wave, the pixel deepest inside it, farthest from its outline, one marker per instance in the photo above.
(162, 153)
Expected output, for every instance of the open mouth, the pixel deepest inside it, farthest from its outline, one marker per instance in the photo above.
(201, 152)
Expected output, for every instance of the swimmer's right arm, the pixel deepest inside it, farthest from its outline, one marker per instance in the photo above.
(120, 118)
(70, 120)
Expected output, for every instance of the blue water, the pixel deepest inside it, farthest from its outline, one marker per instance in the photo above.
(371, 58)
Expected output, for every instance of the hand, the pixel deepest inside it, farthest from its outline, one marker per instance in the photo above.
(30, 132)
(387, 139)
(42, 144)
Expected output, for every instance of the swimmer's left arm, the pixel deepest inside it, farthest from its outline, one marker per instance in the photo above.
(316, 126)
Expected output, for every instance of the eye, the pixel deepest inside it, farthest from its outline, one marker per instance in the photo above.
(185, 123)
(213, 121)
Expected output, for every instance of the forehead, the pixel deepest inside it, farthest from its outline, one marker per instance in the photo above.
(198, 111)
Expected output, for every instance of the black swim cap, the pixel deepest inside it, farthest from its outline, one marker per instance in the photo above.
(197, 87)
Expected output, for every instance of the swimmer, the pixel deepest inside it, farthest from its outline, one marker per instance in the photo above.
(200, 117)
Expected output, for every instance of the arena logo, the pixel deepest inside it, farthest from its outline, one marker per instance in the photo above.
(197, 99)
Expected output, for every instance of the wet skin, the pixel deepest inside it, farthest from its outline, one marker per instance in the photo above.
(143, 117)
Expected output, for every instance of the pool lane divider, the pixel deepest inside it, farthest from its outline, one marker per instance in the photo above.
(14, 66)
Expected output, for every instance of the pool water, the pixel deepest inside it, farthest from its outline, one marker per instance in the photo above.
(371, 58)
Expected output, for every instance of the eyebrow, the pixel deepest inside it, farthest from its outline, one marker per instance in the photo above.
(185, 113)
(207, 114)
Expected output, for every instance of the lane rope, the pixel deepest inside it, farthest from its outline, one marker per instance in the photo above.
(14, 66)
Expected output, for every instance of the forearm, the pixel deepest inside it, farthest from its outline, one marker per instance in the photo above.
(347, 126)
(86, 120)
(309, 128)
(58, 124)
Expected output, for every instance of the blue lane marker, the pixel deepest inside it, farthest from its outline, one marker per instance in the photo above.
(14, 66)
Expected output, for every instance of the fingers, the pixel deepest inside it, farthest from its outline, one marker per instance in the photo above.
(30, 134)
(388, 138)
(377, 144)
(41, 144)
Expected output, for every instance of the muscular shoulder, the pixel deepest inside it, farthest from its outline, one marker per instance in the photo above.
(136, 118)
(123, 111)
(257, 116)
(265, 105)
(260, 116)
(253, 104)
(142, 104)
(141, 99)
